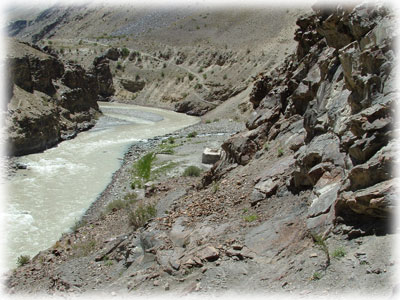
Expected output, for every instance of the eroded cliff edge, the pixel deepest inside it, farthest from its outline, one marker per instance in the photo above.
(49, 100)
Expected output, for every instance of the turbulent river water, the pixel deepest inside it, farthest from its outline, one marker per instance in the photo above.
(59, 185)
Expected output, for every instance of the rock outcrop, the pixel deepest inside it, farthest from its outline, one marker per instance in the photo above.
(48, 100)
(338, 91)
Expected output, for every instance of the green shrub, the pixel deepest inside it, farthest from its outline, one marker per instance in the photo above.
(125, 52)
(23, 260)
(143, 213)
(142, 168)
(192, 134)
(204, 76)
(171, 140)
(280, 152)
(192, 171)
(225, 77)
(191, 77)
(115, 205)
(136, 184)
(339, 252)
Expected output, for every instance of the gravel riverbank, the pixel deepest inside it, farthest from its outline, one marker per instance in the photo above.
(210, 133)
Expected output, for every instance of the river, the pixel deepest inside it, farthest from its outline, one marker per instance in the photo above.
(59, 185)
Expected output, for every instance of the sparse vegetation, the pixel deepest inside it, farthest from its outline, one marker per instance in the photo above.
(225, 77)
(280, 152)
(142, 214)
(166, 148)
(164, 168)
(192, 171)
(215, 187)
(23, 260)
(77, 225)
(192, 134)
(125, 52)
(84, 248)
(118, 204)
(320, 241)
(250, 218)
(316, 276)
(339, 252)
(115, 205)
(142, 169)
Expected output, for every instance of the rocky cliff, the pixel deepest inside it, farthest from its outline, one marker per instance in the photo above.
(49, 100)
(330, 109)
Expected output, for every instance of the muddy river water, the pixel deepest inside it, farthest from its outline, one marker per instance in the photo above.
(59, 184)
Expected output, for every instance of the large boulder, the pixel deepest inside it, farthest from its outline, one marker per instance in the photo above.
(133, 86)
(193, 106)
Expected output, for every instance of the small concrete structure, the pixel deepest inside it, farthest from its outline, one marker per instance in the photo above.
(210, 156)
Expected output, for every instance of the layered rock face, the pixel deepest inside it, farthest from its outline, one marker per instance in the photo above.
(331, 108)
(48, 100)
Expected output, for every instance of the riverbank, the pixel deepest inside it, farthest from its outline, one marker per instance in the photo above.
(74, 173)
(101, 225)
(207, 133)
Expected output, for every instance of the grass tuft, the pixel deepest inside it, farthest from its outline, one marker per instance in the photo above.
(23, 260)
(339, 252)
(140, 216)
(192, 171)
(250, 218)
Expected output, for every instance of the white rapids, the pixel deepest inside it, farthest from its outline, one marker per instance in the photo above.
(59, 185)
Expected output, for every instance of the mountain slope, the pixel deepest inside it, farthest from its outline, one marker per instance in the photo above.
(301, 202)
(187, 59)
